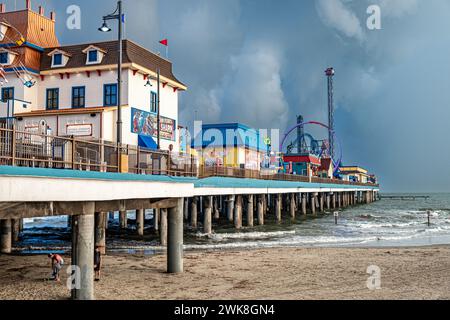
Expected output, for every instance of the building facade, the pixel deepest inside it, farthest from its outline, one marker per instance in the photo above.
(229, 145)
(72, 90)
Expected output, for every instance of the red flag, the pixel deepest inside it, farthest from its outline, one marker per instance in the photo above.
(165, 42)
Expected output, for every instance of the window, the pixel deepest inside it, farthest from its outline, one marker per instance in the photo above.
(78, 97)
(93, 56)
(52, 99)
(4, 58)
(7, 94)
(57, 59)
(110, 95)
(153, 102)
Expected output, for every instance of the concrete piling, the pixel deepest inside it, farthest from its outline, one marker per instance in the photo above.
(186, 209)
(292, 206)
(156, 214)
(100, 231)
(328, 201)
(260, 210)
(194, 213)
(140, 221)
(5, 236)
(175, 239)
(123, 220)
(15, 230)
(304, 212)
(83, 253)
(216, 208)
(163, 227)
(278, 208)
(238, 212)
(313, 203)
(250, 211)
(321, 202)
(207, 216)
(230, 208)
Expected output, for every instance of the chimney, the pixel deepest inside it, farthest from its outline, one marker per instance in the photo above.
(41, 10)
(28, 4)
(2, 8)
(53, 15)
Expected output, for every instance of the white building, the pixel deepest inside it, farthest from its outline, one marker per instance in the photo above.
(73, 89)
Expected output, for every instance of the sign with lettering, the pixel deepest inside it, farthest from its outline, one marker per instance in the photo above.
(145, 123)
(79, 130)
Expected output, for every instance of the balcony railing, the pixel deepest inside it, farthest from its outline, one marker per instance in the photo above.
(30, 149)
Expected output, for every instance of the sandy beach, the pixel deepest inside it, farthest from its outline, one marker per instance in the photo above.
(293, 274)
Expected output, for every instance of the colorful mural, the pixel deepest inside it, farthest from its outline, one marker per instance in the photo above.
(145, 123)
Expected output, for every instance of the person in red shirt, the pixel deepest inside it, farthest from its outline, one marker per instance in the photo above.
(57, 263)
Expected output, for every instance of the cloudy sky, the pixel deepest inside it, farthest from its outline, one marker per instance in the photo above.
(261, 62)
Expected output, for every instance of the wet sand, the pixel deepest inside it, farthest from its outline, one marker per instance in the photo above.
(293, 274)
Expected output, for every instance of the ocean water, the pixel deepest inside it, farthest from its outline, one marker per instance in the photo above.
(384, 223)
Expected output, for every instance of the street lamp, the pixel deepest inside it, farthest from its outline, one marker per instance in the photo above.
(117, 15)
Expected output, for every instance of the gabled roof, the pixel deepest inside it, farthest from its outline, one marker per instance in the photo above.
(92, 47)
(59, 51)
(132, 53)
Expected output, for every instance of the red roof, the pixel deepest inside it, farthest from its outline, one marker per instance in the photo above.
(302, 159)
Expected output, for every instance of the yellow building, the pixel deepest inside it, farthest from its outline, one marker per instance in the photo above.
(229, 145)
(354, 174)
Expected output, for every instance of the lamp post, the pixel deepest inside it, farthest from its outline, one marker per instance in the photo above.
(117, 15)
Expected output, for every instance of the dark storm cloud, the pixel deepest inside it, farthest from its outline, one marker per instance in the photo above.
(261, 62)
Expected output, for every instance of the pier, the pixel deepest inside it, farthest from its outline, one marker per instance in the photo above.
(88, 185)
(404, 197)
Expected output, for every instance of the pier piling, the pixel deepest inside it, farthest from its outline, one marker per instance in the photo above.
(175, 239)
(5, 236)
(163, 227)
(238, 212)
(278, 207)
(156, 214)
(140, 221)
(194, 213)
(207, 216)
(250, 211)
(230, 208)
(123, 220)
(260, 209)
(15, 229)
(292, 207)
(83, 253)
(100, 231)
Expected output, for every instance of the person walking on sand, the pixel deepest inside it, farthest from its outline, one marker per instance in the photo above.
(97, 263)
(57, 263)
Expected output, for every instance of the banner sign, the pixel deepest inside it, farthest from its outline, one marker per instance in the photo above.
(145, 123)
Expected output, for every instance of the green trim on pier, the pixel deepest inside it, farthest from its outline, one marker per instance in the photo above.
(213, 182)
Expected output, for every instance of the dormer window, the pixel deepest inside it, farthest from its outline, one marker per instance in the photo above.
(59, 58)
(94, 55)
(7, 57)
(4, 58)
(3, 30)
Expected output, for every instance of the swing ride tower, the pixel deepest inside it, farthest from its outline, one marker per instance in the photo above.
(24, 35)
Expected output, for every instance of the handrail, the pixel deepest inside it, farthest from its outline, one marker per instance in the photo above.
(28, 149)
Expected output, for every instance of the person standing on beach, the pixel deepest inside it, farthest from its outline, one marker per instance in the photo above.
(97, 263)
(57, 263)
